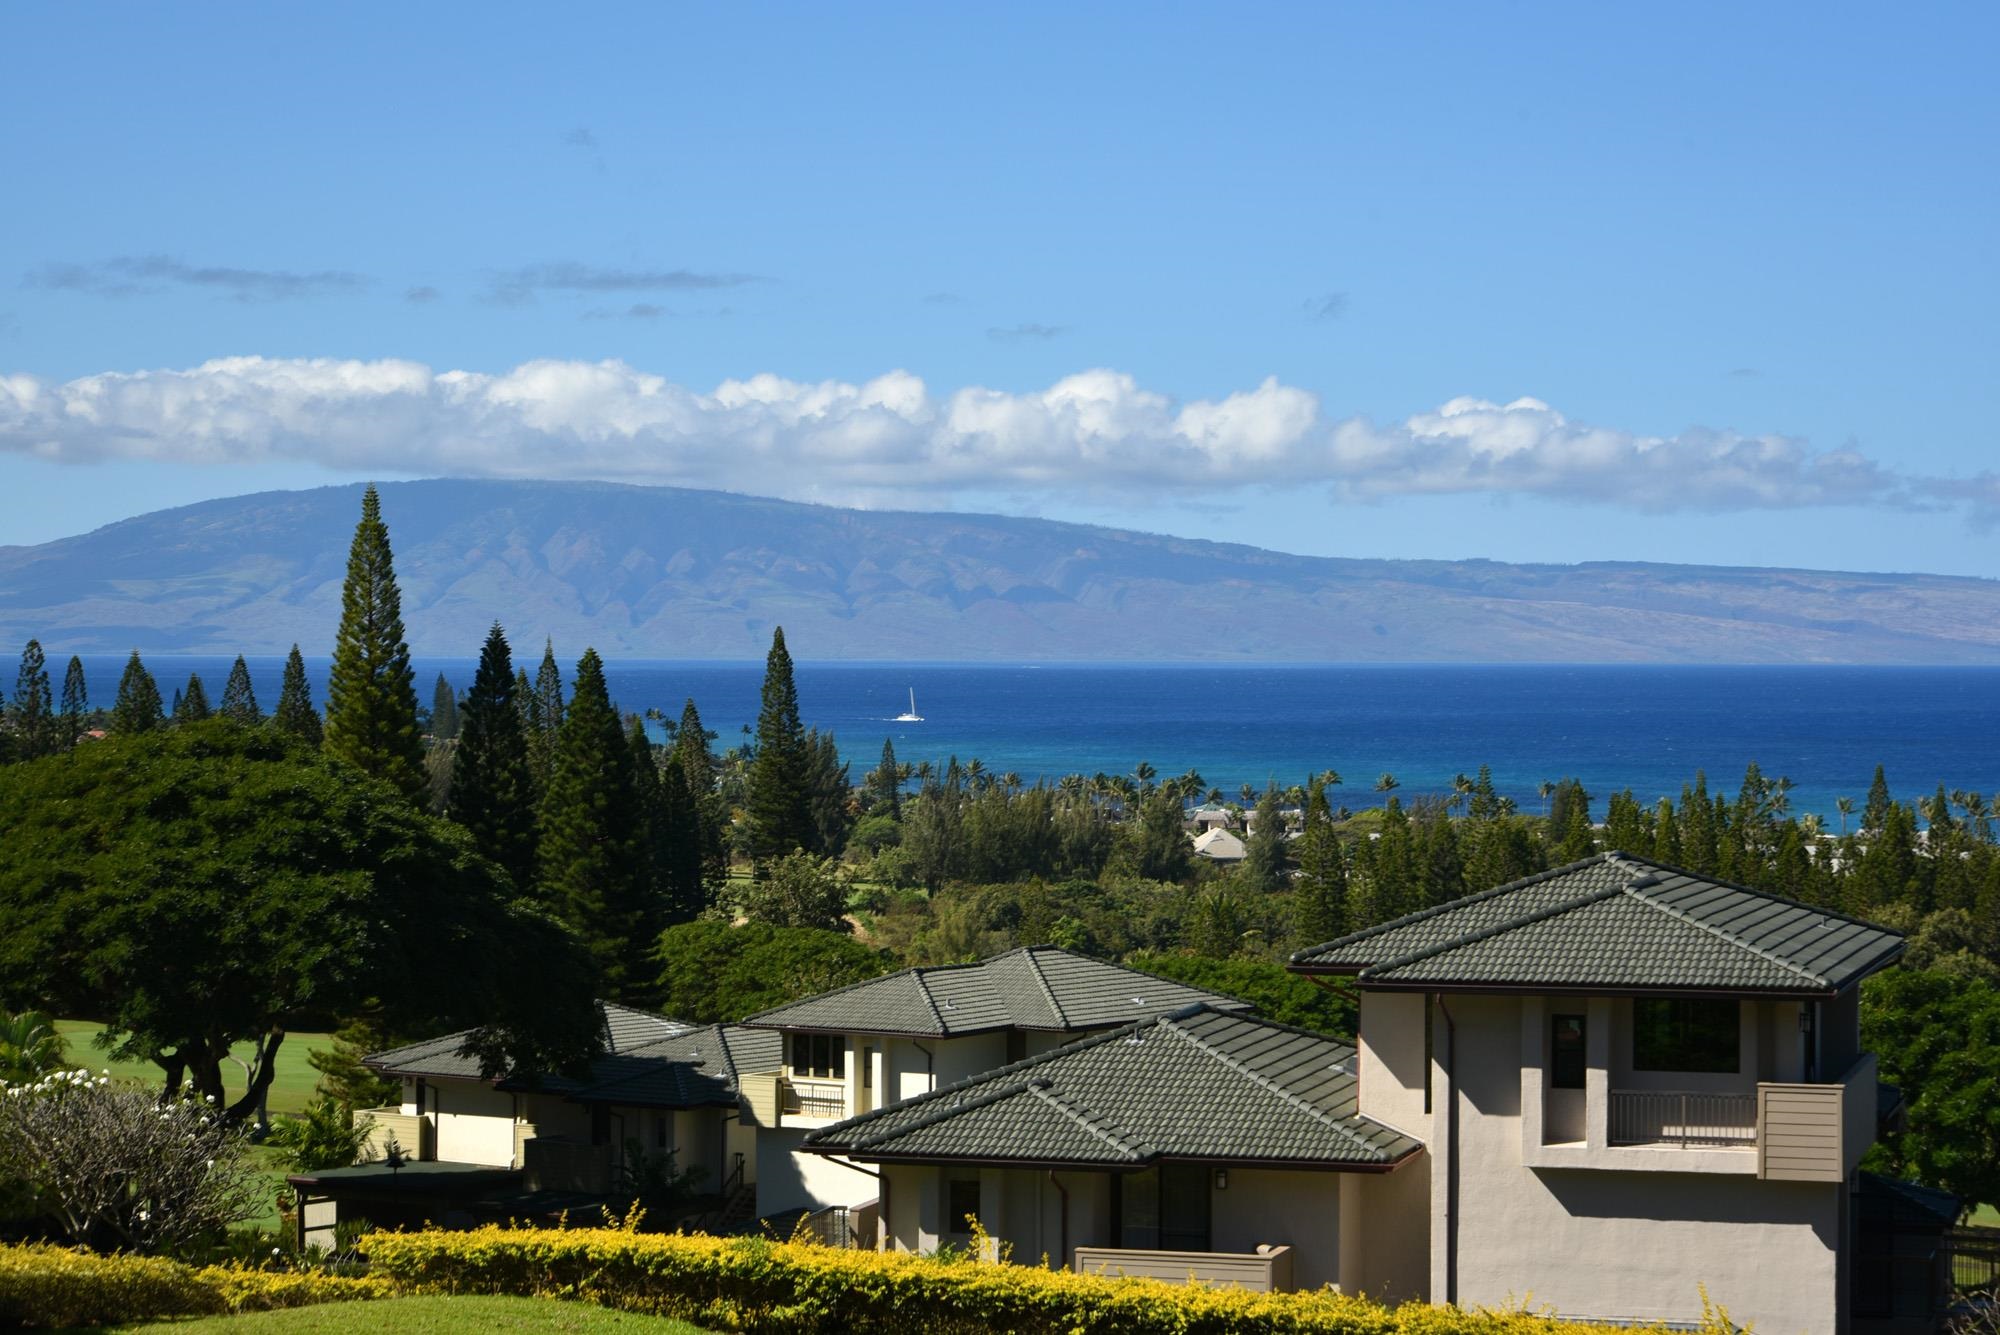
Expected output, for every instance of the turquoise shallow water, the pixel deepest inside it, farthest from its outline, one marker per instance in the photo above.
(1648, 728)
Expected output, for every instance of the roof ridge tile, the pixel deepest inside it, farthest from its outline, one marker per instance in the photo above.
(1760, 952)
(1264, 1082)
(1497, 929)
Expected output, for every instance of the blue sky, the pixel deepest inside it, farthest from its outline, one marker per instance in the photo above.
(1525, 282)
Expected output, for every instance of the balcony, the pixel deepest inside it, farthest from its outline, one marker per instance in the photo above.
(1683, 1119)
(1782, 1131)
(773, 1099)
(1266, 1270)
(817, 1099)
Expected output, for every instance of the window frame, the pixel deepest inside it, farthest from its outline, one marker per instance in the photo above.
(825, 1056)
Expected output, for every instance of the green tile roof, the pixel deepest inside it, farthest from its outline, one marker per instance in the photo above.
(647, 1061)
(1035, 987)
(1614, 922)
(1198, 1083)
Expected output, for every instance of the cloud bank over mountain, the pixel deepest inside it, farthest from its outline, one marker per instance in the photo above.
(895, 438)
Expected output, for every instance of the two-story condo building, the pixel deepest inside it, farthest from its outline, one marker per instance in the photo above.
(1629, 1080)
(908, 1033)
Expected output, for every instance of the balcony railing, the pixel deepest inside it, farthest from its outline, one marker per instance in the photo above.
(1683, 1118)
(815, 1098)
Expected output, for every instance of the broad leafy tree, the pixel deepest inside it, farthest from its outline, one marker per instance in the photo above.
(212, 884)
(710, 971)
(1938, 1039)
(371, 703)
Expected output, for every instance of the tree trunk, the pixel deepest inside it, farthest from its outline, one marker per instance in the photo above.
(255, 1097)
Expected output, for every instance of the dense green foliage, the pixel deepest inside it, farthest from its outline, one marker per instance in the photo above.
(778, 805)
(31, 714)
(593, 867)
(709, 971)
(492, 789)
(239, 700)
(139, 707)
(295, 715)
(1937, 1037)
(371, 702)
(212, 883)
(52, 1287)
(1277, 993)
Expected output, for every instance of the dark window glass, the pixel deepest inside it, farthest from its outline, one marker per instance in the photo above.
(1165, 1208)
(1683, 1034)
(1566, 1051)
(961, 1198)
(819, 1056)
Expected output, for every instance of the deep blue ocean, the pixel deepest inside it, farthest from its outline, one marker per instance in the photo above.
(1646, 728)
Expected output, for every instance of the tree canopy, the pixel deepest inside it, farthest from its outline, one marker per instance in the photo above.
(710, 971)
(212, 883)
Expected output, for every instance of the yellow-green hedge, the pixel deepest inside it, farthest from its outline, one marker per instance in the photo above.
(810, 1290)
(61, 1286)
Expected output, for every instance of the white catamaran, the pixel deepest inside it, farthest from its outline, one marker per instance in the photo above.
(913, 716)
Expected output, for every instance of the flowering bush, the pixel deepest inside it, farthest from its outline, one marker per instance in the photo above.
(42, 1286)
(118, 1169)
(806, 1289)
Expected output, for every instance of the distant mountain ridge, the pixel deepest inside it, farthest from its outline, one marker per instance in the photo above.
(673, 573)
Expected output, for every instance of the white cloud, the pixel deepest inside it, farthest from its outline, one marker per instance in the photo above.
(893, 438)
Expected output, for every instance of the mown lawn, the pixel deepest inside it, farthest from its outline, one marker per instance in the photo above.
(1986, 1216)
(291, 1087)
(440, 1316)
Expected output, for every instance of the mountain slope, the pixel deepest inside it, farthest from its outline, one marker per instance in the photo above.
(664, 572)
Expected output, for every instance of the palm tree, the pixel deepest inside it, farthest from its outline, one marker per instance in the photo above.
(1813, 824)
(1547, 790)
(30, 1047)
(1845, 806)
(1145, 774)
(1011, 781)
(1215, 797)
(1388, 783)
(1247, 793)
(1461, 788)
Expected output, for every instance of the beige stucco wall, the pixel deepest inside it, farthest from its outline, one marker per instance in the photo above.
(474, 1123)
(1390, 1048)
(1386, 1232)
(1270, 1206)
(788, 1177)
(1612, 1244)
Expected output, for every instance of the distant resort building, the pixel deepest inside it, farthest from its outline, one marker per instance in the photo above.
(1219, 846)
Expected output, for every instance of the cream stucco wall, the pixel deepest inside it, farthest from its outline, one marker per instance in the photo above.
(1609, 1244)
(1390, 1047)
(474, 1123)
(1386, 1232)
(788, 1177)
(1273, 1206)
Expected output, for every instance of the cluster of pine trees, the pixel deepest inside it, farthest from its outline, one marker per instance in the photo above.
(615, 835)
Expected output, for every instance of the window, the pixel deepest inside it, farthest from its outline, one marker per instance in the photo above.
(819, 1056)
(1566, 1052)
(1164, 1208)
(961, 1198)
(1683, 1034)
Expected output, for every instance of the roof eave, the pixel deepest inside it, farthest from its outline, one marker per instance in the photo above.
(1509, 988)
(1103, 1166)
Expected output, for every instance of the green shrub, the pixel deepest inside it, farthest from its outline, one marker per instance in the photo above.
(59, 1286)
(803, 1289)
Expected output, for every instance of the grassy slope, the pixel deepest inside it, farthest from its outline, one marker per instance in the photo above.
(438, 1315)
(291, 1087)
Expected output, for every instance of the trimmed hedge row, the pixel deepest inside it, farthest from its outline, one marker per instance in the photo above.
(61, 1286)
(805, 1289)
